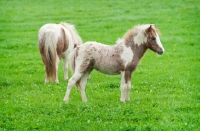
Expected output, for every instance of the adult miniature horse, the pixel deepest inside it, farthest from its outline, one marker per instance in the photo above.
(57, 41)
(121, 58)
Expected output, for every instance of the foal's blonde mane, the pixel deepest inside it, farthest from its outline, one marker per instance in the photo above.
(74, 33)
(137, 30)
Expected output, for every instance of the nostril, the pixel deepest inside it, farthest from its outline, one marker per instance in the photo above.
(160, 52)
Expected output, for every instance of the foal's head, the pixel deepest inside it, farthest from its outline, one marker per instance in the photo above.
(153, 40)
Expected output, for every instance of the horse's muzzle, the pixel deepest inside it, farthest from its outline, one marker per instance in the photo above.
(160, 52)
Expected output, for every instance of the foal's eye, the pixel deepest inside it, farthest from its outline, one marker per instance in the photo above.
(153, 38)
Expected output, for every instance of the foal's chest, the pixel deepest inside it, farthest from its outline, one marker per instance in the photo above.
(127, 56)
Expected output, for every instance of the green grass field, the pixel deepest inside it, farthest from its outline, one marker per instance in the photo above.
(165, 92)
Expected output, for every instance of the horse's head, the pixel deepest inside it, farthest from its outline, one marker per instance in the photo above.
(153, 40)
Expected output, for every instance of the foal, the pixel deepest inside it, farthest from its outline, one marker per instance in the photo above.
(121, 58)
(57, 41)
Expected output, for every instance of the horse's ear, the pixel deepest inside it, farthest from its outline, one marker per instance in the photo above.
(149, 29)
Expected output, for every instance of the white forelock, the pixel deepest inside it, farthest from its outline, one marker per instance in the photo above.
(139, 32)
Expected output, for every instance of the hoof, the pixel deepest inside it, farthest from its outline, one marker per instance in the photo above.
(128, 99)
(123, 100)
(65, 100)
(84, 100)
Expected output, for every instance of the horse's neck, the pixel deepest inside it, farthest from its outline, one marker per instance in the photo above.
(138, 50)
(75, 36)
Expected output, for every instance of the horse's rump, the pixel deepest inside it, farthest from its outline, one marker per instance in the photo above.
(57, 41)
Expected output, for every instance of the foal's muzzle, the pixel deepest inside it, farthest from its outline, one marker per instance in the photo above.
(160, 52)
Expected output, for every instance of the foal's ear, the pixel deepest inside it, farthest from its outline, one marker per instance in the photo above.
(149, 29)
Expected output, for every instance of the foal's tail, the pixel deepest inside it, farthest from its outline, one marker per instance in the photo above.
(50, 53)
(72, 60)
(73, 56)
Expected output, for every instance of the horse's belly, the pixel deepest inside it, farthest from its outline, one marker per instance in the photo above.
(108, 68)
(108, 72)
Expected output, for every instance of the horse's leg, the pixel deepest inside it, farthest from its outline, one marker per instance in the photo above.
(127, 98)
(72, 81)
(83, 83)
(123, 87)
(46, 79)
(57, 63)
(65, 63)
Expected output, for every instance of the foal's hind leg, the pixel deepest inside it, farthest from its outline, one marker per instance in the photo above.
(65, 63)
(72, 81)
(83, 83)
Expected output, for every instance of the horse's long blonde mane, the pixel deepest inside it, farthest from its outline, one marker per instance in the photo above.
(142, 28)
(138, 30)
(77, 39)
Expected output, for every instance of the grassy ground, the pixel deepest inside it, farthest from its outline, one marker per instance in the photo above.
(166, 89)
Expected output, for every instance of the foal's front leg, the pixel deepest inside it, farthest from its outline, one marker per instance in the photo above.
(127, 98)
(125, 92)
(125, 87)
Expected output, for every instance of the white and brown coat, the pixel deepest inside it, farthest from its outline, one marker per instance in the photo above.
(121, 58)
(56, 41)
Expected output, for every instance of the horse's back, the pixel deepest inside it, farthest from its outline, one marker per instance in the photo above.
(94, 46)
(101, 57)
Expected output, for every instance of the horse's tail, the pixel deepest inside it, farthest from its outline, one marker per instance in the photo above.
(50, 53)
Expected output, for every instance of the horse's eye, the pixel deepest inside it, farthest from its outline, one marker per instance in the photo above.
(153, 38)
